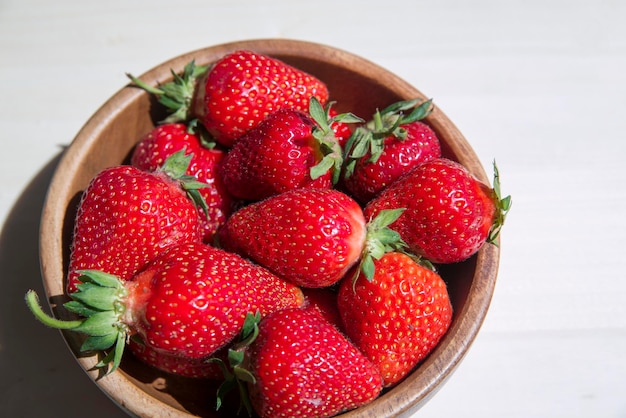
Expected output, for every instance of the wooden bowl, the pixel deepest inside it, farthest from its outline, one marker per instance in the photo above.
(108, 138)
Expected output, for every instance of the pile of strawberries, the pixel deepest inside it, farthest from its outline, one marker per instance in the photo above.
(260, 237)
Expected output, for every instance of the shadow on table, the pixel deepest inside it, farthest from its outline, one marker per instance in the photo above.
(40, 377)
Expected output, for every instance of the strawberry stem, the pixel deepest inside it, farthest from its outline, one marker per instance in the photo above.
(32, 301)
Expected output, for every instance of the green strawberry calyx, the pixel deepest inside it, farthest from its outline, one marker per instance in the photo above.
(370, 138)
(379, 239)
(100, 301)
(503, 205)
(332, 154)
(235, 373)
(175, 167)
(176, 95)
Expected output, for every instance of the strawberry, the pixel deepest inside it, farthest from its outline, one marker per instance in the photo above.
(310, 237)
(287, 150)
(302, 366)
(176, 365)
(449, 214)
(235, 93)
(325, 301)
(127, 216)
(190, 301)
(388, 146)
(398, 317)
(341, 128)
(156, 146)
(244, 87)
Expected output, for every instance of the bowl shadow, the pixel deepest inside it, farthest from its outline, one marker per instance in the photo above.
(40, 375)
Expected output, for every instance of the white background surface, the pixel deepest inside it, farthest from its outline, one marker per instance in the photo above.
(538, 85)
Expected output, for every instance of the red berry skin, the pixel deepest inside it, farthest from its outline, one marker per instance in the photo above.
(274, 157)
(399, 317)
(164, 140)
(398, 157)
(342, 131)
(193, 299)
(325, 301)
(244, 87)
(125, 218)
(304, 367)
(310, 237)
(448, 212)
(175, 365)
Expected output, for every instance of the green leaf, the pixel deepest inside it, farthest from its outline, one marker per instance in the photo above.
(503, 206)
(99, 298)
(176, 164)
(347, 118)
(79, 308)
(235, 357)
(322, 167)
(100, 278)
(419, 113)
(191, 183)
(99, 342)
(318, 114)
(387, 236)
(367, 267)
(176, 96)
(224, 389)
(99, 324)
(118, 353)
(244, 375)
(249, 330)
(385, 218)
(379, 240)
(106, 361)
(376, 249)
(150, 89)
(400, 106)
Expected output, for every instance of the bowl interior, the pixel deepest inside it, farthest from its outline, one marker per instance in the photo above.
(108, 138)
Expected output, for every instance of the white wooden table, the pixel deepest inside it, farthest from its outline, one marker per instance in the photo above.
(538, 85)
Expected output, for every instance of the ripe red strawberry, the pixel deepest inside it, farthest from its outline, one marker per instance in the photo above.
(398, 317)
(449, 214)
(304, 367)
(127, 216)
(289, 149)
(176, 365)
(325, 301)
(189, 301)
(308, 236)
(244, 87)
(164, 140)
(236, 93)
(387, 147)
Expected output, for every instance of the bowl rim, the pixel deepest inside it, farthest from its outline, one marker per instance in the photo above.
(403, 399)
